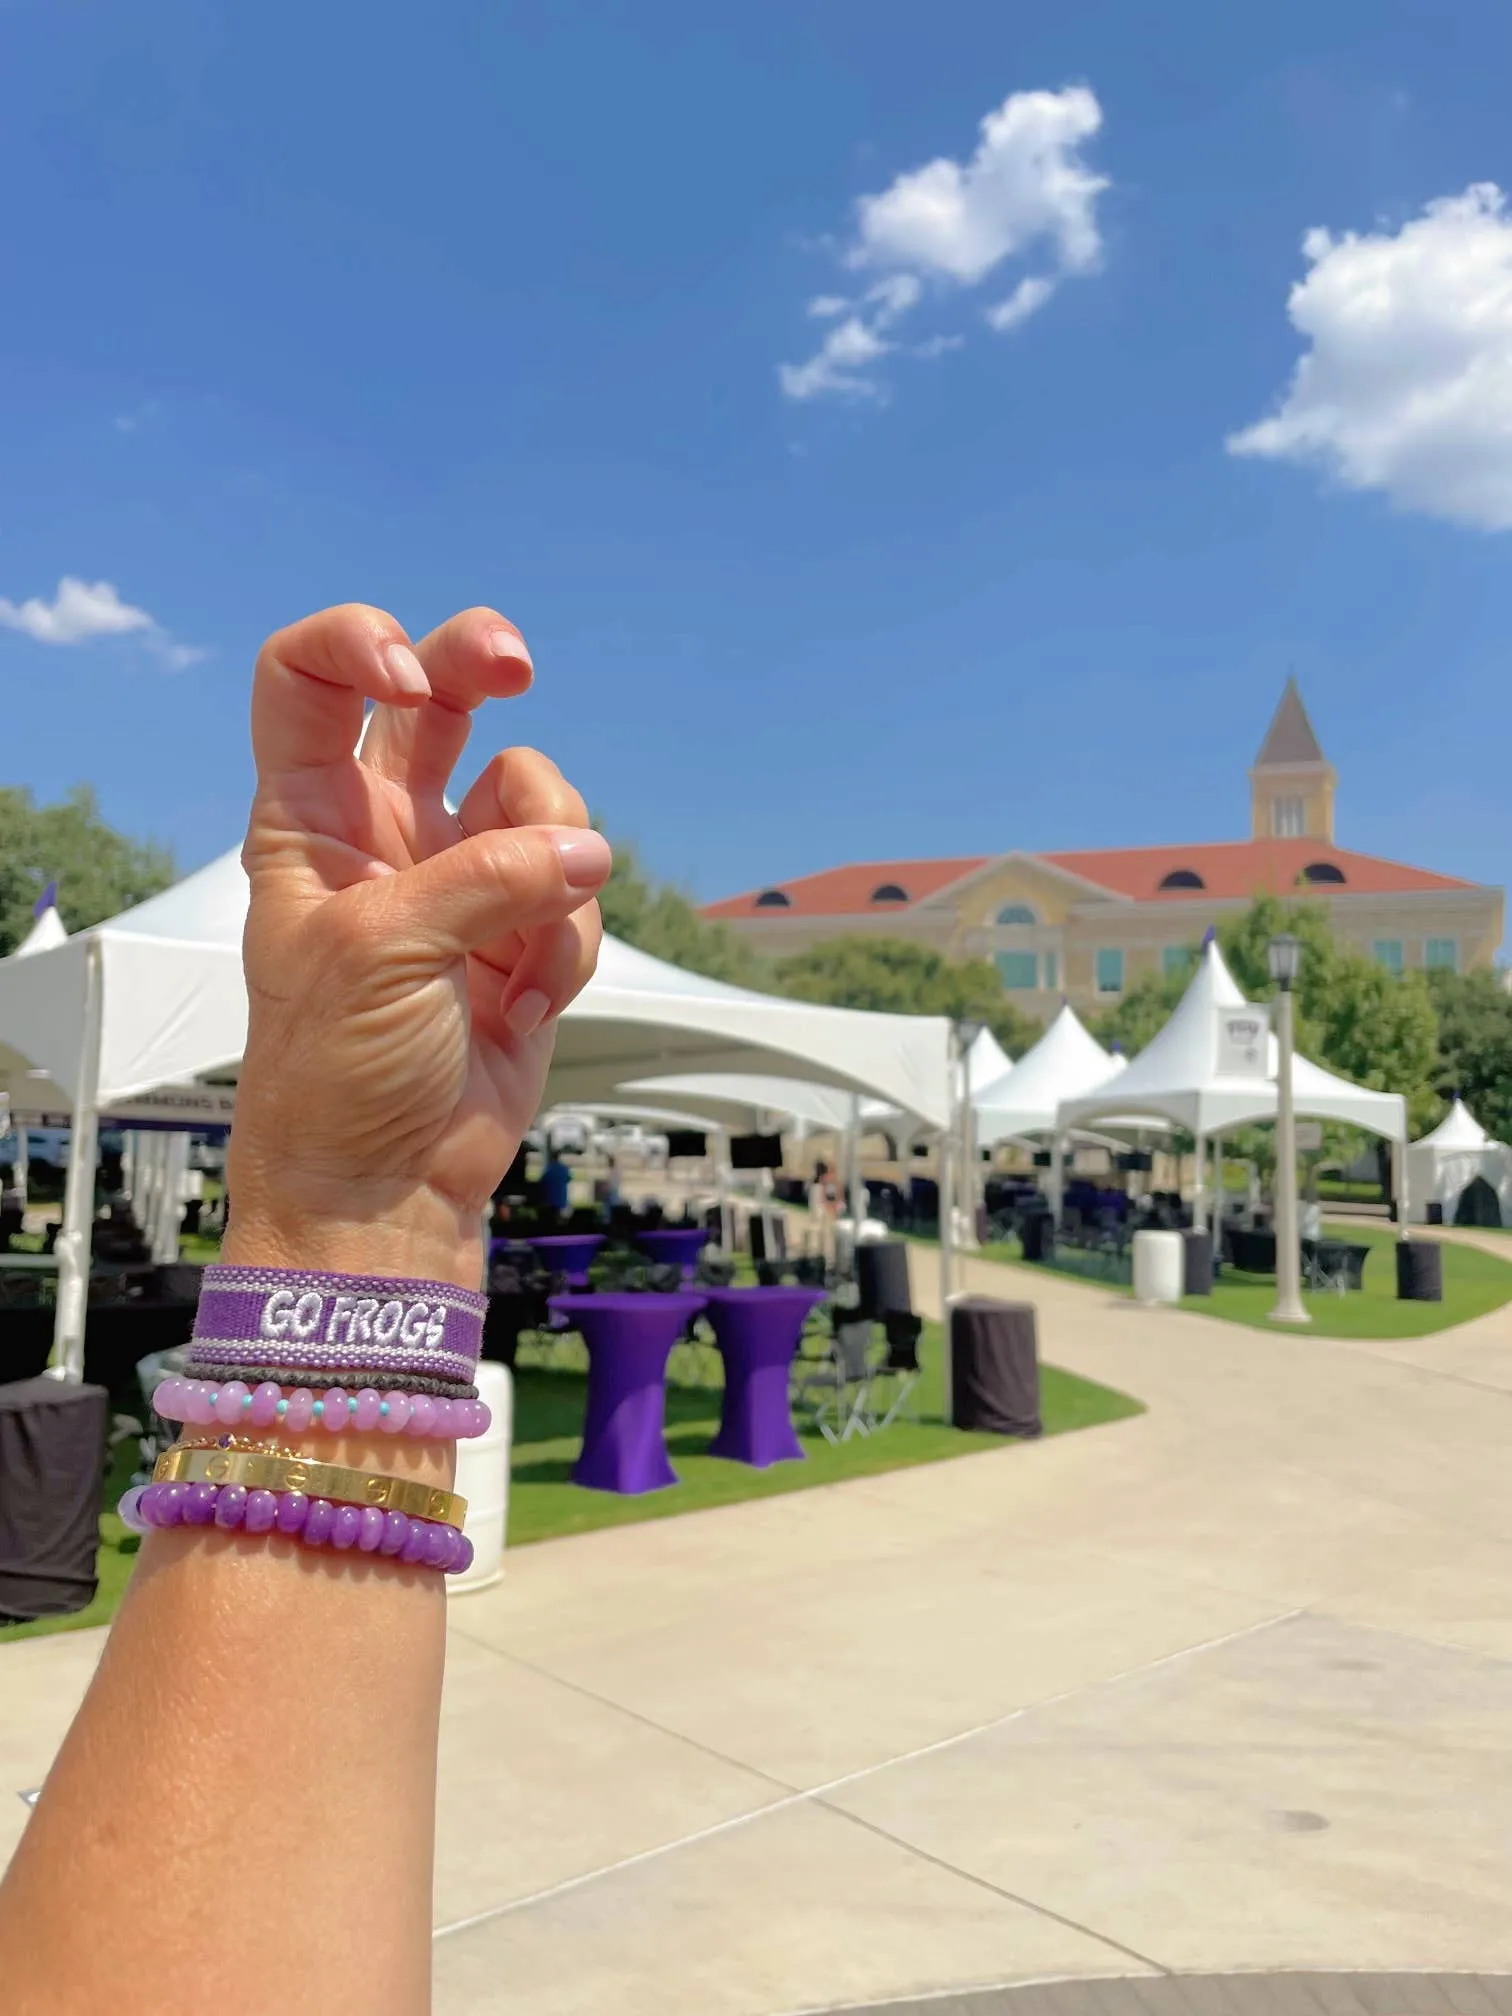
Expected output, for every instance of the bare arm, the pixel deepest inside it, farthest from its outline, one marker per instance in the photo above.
(242, 1816)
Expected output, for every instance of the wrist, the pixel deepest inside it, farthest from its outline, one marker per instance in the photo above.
(393, 1227)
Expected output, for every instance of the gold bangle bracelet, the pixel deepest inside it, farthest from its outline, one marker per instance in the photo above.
(332, 1481)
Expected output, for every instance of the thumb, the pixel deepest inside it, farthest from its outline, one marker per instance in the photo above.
(489, 884)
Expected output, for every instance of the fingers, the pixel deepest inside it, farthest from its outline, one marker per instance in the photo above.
(475, 656)
(312, 679)
(552, 970)
(521, 787)
(471, 895)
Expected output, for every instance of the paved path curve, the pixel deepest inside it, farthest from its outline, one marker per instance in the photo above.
(1227, 1686)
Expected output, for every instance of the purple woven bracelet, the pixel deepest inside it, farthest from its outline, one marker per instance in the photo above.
(325, 1323)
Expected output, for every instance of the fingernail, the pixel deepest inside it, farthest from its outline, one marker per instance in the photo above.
(527, 1011)
(406, 671)
(510, 644)
(585, 856)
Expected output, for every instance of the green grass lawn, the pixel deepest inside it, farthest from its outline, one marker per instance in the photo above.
(1474, 1283)
(544, 1503)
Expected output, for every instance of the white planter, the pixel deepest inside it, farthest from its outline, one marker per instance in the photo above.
(1159, 1267)
(483, 1480)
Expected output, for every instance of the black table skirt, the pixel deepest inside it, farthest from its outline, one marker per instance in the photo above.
(52, 1465)
(116, 1336)
(994, 1366)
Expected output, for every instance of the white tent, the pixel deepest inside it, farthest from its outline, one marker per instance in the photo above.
(47, 930)
(1213, 1067)
(1066, 1062)
(1444, 1163)
(156, 997)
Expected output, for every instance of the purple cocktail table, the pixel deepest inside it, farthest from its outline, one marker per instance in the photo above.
(757, 1331)
(674, 1246)
(569, 1253)
(629, 1338)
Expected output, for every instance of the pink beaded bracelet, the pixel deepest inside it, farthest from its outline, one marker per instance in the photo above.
(237, 1405)
(314, 1522)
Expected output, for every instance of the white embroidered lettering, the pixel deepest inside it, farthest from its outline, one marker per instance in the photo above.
(275, 1316)
(305, 1320)
(412, 1329)
(435, 1330)
(342, 1306)
(386, 1322)
(361, 1331)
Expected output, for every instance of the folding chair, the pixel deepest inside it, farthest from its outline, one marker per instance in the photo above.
(903, 1330)
(1325, 1267)
(843, 1382)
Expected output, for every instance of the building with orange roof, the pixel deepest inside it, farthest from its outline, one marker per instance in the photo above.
(1086, 925)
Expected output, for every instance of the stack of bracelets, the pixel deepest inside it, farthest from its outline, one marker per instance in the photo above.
(393, 1357)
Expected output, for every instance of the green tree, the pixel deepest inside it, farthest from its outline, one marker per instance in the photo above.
(98, 871)
(659, 919)
(1475, 1045)
(897, 977)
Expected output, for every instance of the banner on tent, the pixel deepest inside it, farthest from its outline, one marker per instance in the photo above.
(1241, 1045)
(181, 1108)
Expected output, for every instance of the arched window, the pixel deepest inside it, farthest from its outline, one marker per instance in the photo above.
(1322, 871)
(1182, 878)
(889, 892)
(773, 899)
(1016, 913)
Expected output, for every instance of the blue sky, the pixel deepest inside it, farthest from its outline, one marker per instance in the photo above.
(493, 308)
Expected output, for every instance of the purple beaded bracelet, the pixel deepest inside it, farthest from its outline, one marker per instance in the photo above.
(314, 1522)
(236, 1405)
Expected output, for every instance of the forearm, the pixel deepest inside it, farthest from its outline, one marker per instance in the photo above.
(254, 1760)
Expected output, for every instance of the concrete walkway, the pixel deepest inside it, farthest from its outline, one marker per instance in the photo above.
(1225, 1686)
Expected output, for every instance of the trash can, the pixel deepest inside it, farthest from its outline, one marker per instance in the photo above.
(1420, 1270)
(1159, 1267)
(52, 1468)
(994, 1366)
(882, 1275)
(1198, 1271)
(483, 1480)
(1037, 1231)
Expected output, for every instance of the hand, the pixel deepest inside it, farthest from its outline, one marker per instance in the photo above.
(405, 965)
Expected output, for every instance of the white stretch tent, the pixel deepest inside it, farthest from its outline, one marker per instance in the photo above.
(1066, 1062)
(156, 996)
(1193, 1074)
(1444, 1162)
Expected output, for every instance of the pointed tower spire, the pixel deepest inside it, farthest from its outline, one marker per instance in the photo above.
(1290, 738)
(1292, 781)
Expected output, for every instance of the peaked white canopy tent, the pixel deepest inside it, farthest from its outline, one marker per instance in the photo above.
(1213, 1067)
(156, 997)
(1448, 1160)
(1066, 1062)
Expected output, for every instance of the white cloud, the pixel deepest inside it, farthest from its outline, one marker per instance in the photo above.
(838, 364)
(80, 610)
(1024, 183)
(1026, 190)
(1406, 386)
(1021, 303)
(83, 610)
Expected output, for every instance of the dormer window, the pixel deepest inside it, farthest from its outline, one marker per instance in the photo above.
(1182, 878)
(774, 899)
(1016, 913)
(1322, 871)
(889, 892)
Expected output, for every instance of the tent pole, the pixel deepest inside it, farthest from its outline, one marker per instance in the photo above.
(946, 1186)
(855, 1196)
(1058, 1179)
(726, 1204)
(968, 1155)
(1217, 1212)
(1399, 1182)
(21, 1167)
(1199, 1192)
(67, 1361)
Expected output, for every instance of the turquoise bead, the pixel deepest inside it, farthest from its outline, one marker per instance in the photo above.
(283, 1408)
(318, 1409)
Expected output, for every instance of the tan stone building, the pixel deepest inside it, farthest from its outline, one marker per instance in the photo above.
(1085, 926)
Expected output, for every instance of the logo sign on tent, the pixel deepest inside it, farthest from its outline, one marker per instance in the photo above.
(178, 1108)
(1242, 1042)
